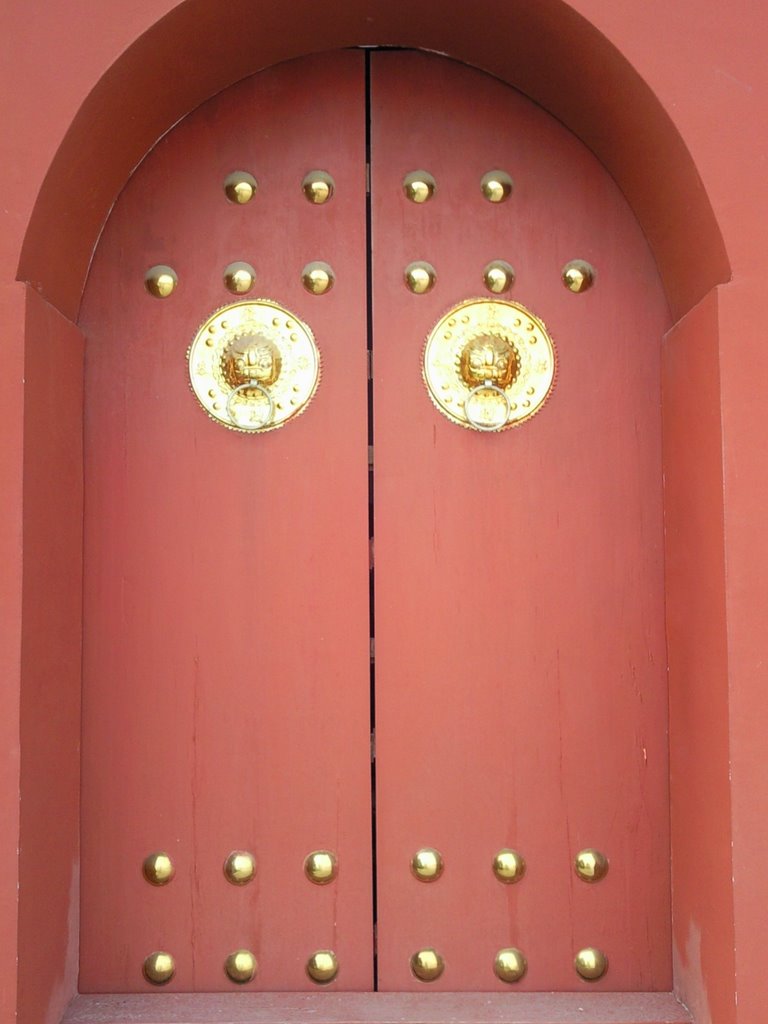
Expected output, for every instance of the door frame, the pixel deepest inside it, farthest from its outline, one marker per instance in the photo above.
(715, 723)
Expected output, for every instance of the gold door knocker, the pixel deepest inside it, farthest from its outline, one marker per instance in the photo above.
(489, 364)
(253, 366)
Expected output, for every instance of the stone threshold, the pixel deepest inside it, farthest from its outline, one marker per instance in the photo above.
(379, 1008)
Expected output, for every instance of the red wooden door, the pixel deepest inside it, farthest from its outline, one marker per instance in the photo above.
(519, 696)
(520, 656)
(226, 679)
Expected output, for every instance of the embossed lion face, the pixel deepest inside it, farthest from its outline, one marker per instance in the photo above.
(251, 358)
(489, 358)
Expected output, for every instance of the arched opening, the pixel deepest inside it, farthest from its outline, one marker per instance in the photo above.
(548, 51)
(58, 246)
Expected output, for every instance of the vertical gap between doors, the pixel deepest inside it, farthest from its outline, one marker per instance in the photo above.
(372, 569)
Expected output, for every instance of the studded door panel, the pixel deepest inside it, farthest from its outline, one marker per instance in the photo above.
(226, 686)
(520, 697)
(520, 657)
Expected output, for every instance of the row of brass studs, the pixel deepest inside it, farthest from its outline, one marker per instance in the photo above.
(318, 187)
(240, 966)
(240, 187)
(320, 867)
(420, 186)
(427, 865)
(498, 276)
(318, 277)
(239, 278)
(426, 965)
(509, 965)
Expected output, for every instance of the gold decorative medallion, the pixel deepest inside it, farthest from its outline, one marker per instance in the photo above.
(253, 366)
(489, 364)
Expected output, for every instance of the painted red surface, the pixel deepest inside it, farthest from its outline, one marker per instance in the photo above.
(696, 623)
(12, 302)
(668, 96)
(226, 653)
(50, 706)
(520, 656)
(226, 604)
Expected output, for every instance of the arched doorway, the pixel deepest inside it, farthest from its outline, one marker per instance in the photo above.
(519, 669)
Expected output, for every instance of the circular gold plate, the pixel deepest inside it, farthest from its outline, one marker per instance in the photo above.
(489, 364)
(253, 366)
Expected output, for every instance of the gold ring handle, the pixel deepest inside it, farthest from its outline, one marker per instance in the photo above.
(489, 428)
(251, 385)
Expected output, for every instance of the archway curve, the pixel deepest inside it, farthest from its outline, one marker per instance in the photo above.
(547, 50)
(173, 68)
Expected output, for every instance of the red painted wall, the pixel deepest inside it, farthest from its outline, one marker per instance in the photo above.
(11, 409)
(673, 98)
(697, 642)
(50, 660)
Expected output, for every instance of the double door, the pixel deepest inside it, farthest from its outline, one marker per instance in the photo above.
(412, 675)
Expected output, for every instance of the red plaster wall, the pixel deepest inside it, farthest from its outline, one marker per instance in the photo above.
(11, 428)
(743, 313)
(50, 664)
(693, 68)
(698, 663)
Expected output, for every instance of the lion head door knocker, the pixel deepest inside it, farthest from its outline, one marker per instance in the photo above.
(489, 364)
(253, 366)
